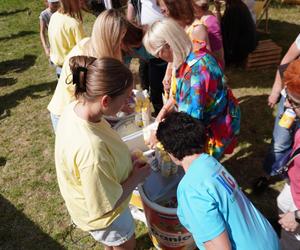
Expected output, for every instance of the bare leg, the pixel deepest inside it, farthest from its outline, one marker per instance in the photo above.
(108, 248)
(128, 245)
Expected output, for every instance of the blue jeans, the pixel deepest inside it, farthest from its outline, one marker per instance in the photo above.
(282, 141)
(54, 120)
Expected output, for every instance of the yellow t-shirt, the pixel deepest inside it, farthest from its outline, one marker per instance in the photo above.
(91, 161)
(64, 93)
(64, 33)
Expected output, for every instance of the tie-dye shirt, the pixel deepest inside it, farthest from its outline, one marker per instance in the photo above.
(201, 92)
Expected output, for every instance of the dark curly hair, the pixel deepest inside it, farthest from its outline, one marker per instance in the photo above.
(181, 135)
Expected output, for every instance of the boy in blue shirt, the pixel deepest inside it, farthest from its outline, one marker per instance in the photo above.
(210, 203)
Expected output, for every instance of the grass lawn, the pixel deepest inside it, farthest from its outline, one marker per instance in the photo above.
(32, 212)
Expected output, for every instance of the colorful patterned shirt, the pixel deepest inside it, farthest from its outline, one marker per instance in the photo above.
(201, 92)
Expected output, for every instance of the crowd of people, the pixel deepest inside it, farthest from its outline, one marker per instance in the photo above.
(183, 49)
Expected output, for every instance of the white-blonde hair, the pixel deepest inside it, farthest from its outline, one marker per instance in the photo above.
(167, 31)
(107, 34)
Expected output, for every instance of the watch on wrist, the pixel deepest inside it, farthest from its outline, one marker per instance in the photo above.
(297, 216)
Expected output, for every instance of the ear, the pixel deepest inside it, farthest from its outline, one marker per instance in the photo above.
(174, 159)
(105, 101)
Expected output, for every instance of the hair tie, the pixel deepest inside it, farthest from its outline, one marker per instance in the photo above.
(77, 80)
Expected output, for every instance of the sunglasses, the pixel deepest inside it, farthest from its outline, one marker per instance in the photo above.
(165, 45)
(294, 104)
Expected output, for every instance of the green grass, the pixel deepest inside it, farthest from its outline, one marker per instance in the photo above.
(32, 212)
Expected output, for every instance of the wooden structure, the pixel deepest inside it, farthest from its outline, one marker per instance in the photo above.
(266, 55)
(291, 2)
(261, 9)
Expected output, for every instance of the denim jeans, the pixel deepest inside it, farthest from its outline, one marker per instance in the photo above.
(54, 120)
(282, 140)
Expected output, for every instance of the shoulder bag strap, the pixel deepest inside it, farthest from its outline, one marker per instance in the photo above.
(294, 155)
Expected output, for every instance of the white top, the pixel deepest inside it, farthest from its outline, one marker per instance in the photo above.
(251, 6)
(108, 4)
(298, 42)
(150, 12)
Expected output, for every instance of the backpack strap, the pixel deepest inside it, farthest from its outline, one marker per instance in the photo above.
(294, 155)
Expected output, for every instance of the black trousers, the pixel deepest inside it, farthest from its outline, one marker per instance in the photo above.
(144, 74)
(288, 240)
(156, 72)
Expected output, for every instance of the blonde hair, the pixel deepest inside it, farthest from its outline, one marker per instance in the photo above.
(167, 31)
(108, 31)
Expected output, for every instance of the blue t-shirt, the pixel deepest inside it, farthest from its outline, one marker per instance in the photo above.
(210, 201)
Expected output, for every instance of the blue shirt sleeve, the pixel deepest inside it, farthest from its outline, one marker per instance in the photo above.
(198, 212)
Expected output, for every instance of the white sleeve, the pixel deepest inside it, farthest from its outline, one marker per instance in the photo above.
(108, 4)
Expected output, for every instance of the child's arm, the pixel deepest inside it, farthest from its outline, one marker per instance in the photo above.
(291, 55)
(43, 31)
(221, 242)
(130, 12)
(167, 79)
(217, 11)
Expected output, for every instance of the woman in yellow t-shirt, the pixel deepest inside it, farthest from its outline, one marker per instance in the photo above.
(95, 172)
(105, 41)
(65, 30)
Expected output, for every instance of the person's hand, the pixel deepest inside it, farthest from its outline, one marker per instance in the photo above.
(288, 222)
(141, 170)
(167, 82)
(273, 99)
(153, 140)
(127, 107)
(217, 4)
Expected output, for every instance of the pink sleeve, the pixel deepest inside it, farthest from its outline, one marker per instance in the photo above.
(294, 173)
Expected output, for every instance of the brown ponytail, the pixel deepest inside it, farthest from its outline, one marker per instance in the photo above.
(71, 8)
(98, 77)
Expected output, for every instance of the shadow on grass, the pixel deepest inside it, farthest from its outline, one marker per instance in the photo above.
(13, 12)
(143, 242)
(13, 99)
(19, 232)
(240, 78)
(247, 164)
(18, 35)
(264, 78)
(2, 161)
(17, 65)
(7, 81)
(256, 125)
(283, 33)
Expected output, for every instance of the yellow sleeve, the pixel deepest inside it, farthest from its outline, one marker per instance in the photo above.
(78, 32)
(101, 190)
(173, 85)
